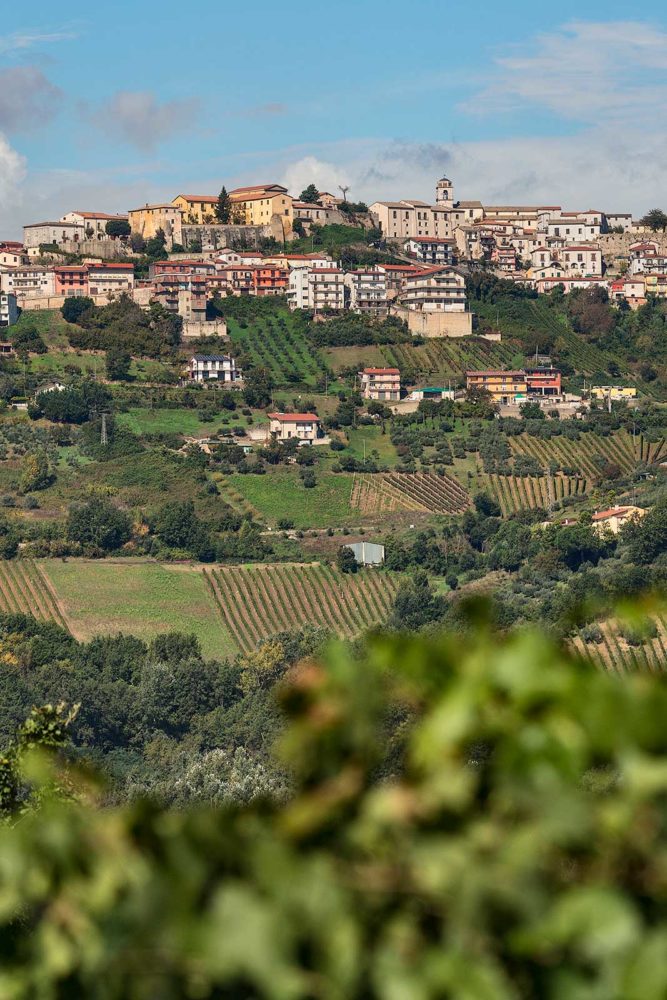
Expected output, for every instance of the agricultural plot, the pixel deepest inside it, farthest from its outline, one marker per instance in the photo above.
(445, 358)
(582, 455)
(257, 602)
(615, 654)
(651, 451)
(280, 494)
(515, 493)
(279, 344)
(406, 491)
(25, 589)
(136, 597)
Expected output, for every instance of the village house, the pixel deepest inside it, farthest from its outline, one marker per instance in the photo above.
(575, 227)
(218, 368)
(9, 312)
(328, 200)
(543, 283)
(615, 518)
(269, 279)
(582, 257)
(631, 290)
(94, 223)
(504, 258)
(367, 291)
(430, 250)
(158, 267)
(260, 204)
(234, 279)
(615, 393)
(148, 220)
(543, 381)
(197, 209)
(11, 255)
(303, 426)
(37, 234)
(308, 212)
(395, 275)
(380, 383)
(405, 219)
(317, 288)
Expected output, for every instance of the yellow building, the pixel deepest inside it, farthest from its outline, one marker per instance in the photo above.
(503, 387)
(613, 392)
(259, 204)
(147, 220)
(197, 209)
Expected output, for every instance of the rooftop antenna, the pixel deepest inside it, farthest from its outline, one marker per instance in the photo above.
(344, 188)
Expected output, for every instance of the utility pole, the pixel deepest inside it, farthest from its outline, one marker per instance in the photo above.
(104, 440)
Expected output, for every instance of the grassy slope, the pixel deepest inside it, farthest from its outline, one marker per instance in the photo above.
(281, 494)
(144, 599)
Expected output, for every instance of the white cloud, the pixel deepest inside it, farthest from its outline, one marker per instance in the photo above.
(592, 72)
(138, 118)
(12, 172)
(18, 41)
(309, 170)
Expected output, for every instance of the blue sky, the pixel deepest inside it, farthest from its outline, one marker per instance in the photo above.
(129, 102)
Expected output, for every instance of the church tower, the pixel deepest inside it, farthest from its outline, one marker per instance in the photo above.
(444, 192)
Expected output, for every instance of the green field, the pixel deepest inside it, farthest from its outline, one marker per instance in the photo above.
(281, 494)
(138, 598)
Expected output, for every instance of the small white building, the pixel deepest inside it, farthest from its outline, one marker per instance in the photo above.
(9, 312)
(29, 281)
(303, 426)
(220, 368)
(94, 223)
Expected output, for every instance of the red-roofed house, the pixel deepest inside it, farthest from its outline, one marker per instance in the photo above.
(615, 518)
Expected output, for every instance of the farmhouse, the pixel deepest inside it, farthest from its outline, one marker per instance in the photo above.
(213, 368)
(303, 426)
(615, 518)
(503, 387)
(381, 383)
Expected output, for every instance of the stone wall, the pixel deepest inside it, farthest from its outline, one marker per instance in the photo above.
(435, 324)
(217, 237)
(105, 249)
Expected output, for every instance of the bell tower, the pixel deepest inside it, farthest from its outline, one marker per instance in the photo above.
(444, 192)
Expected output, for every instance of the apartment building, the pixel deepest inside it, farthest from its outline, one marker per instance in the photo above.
(184, 294)
(197, 209)
(234, 279)
(289, 261)
(317, 288)
(548, 283)
(30, 281)
(430, 250)
(303, 426)
(523, 216)
(71, 280)
(149, 219)
(9, 311)
(158, 267)
(37, 233)
(94, 223)
(380, 383)
(219, 368)
(543, 381)
(574, 227)
(405, 219)
(584, 258)
(648, 263)
(110, 278)
(366, 291)
(395, 275)
(269, 279)
(434, 289)
(504, 258)
(260, 204)
(504, 387)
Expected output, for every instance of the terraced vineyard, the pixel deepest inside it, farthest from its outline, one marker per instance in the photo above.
(449, 357)
(617, 449)
(377, 494)
(257, 602)
(277, 343)
(24, 589)
(515, 493)
(651, 451)
(617, 655)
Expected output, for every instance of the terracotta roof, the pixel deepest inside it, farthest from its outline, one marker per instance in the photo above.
(35, 225)
(106, 265)
(381, 371)
(491, 371)
(294, 418)
(260, 196)
(144, 208)
(604, 515)
(429, 239)
(99, 215)
(208, 198)
(257, 187)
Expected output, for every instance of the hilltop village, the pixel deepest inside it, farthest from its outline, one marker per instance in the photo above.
(234, 414)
